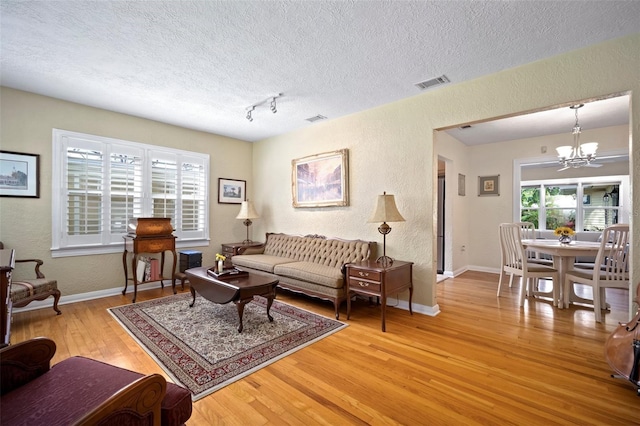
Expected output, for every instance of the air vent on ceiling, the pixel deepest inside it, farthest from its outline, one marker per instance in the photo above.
(423, 85)
(316, 118)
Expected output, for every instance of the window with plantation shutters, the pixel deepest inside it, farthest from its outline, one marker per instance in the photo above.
(100, 184)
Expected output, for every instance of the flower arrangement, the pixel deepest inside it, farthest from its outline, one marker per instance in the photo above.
(564, 231)
(220, 257)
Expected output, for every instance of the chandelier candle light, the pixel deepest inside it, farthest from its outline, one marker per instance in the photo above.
(578, 155)
(386, 211)
(247, 212)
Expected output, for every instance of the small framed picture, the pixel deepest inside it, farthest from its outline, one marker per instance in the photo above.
(461, 185)
(19, 174)
(231, 191)
(488, 185)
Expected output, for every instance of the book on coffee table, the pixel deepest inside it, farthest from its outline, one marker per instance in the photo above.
(227, 273)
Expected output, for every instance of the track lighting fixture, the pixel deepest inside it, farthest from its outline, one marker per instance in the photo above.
(249, 111)
(271, 100)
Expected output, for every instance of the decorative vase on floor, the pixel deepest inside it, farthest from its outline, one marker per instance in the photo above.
(564, 239)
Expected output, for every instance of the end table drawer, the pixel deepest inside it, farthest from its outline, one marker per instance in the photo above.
(356, 284)
(364, 274)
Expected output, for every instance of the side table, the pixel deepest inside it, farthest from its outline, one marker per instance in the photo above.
(231, 249)
(373, 279)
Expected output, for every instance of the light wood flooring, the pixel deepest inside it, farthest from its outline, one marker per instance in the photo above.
(482, 361)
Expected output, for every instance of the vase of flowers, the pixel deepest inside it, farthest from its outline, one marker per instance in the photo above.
(564, 234)
(220, 259)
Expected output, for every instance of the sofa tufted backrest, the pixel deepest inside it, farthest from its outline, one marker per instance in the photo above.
(332, 252)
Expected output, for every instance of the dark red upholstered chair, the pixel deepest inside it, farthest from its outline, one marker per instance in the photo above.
(82, 391)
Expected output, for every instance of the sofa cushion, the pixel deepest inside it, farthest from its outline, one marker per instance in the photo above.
(261, 262)
(308, 271)
(77, 385)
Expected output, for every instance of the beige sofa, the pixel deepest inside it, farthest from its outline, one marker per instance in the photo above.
(312, 264)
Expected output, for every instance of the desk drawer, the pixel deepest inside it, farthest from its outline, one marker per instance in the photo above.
(154, 245)
(356, 284)
(365, 274)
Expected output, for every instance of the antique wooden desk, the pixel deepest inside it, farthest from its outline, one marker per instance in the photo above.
(153, 235)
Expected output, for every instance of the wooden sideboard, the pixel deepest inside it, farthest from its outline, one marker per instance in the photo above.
(7, 262)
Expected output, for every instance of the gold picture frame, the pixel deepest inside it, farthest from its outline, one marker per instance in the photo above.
(321, 180)
(488, 185)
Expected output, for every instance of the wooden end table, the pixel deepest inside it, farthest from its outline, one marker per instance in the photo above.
(239, 290)
(373, 279)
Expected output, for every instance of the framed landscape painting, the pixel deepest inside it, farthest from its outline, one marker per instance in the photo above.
(19, 174)
(231, 191)
(321, 180)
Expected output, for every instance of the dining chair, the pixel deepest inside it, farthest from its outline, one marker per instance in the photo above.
(611, 268)
(515, 261)
(528, 232)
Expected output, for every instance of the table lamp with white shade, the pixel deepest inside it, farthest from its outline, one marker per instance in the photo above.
(386, 211)
(247, 212)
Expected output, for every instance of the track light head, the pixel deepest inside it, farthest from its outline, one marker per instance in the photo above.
(273, 105)
(249, 117)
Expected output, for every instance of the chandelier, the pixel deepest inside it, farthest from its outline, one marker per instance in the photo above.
(578, 155)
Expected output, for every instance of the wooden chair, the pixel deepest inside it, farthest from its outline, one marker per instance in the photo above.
(516, 262)
(611, 268)
(25, 291)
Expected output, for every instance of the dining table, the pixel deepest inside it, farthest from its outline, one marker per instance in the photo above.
(564, 256)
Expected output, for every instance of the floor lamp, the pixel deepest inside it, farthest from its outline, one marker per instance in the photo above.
(247, 212)
(386, 211)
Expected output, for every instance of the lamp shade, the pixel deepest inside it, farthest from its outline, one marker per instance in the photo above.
(247, 211)
(589, 148)
(386, 210)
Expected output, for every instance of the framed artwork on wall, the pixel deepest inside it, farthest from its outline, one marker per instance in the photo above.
(321, 180)
(488, 185)
(462, 184)
(231, 191)
(19, 174)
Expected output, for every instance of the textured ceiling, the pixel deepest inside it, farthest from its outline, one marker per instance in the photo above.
(200, 64)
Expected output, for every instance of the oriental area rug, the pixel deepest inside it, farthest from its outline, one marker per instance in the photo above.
(200, 347)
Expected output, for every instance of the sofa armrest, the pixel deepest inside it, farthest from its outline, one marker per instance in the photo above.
(24, 361)
(131, 404)
(252, 250)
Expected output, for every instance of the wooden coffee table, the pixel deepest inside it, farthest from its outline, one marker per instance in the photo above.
(239, 290)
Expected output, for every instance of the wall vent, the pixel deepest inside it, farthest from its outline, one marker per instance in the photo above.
(316, 118)
(423, 85)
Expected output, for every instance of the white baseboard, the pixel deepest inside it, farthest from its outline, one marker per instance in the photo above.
(432, 311)
(83, 297)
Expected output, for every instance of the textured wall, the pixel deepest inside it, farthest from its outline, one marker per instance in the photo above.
(392, 149)
(25, 225)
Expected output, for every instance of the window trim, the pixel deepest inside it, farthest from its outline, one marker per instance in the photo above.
(622, 208)
(112, 245)
(517, 183)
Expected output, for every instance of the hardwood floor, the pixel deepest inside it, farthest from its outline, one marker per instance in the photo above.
(483, 361)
